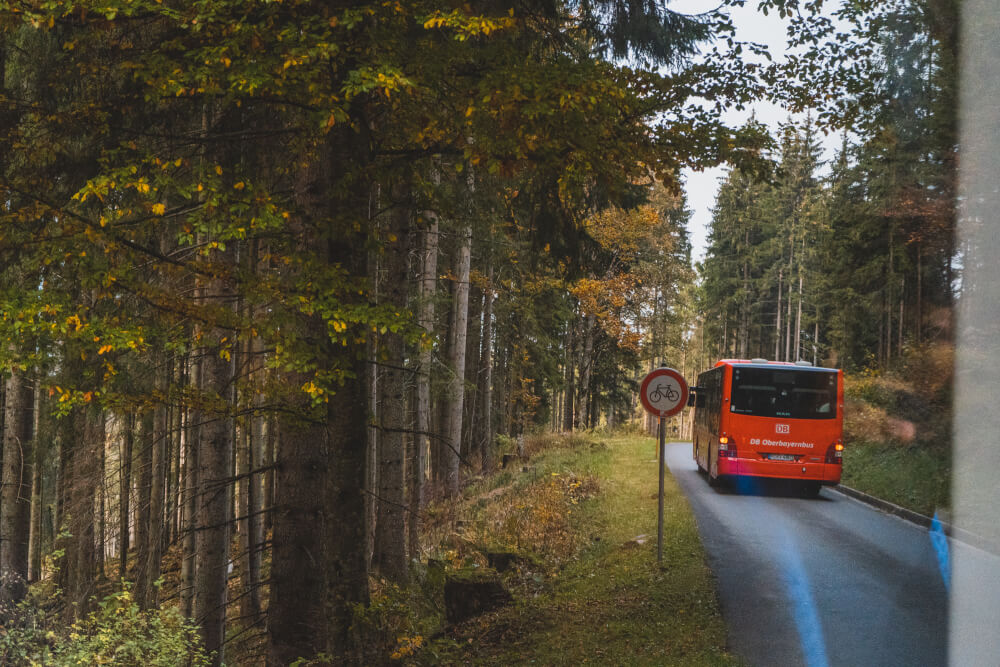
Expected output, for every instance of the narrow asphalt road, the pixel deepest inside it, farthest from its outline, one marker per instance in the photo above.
(816, 582)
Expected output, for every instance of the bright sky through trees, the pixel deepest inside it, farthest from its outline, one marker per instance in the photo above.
(702, 187)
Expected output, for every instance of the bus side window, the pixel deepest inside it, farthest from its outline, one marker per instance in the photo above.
(700, 400)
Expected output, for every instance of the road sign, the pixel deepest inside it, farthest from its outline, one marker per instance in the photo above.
(664, 392)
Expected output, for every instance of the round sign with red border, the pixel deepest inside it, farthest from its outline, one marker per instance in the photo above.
(664, 392)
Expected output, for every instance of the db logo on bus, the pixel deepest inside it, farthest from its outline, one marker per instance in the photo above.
(782, 428)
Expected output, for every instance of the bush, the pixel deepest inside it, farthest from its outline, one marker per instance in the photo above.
(117, 633)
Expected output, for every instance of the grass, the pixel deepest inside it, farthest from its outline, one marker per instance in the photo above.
(917, 478)
(897, 429)
(604, 600)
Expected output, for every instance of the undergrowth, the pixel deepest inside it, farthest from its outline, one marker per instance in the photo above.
(117, 633)
(897, 430)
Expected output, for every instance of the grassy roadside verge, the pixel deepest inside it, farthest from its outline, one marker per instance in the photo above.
(606, 601)
(914, 478)
(897, 430)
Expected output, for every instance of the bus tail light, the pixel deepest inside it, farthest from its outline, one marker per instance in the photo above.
(727, 447)
(835, 453)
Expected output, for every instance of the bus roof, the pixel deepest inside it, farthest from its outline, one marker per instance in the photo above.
(764, 363)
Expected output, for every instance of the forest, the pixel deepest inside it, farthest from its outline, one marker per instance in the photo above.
(277, 276)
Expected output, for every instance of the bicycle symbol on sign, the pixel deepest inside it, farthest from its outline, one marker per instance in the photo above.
(663, 391)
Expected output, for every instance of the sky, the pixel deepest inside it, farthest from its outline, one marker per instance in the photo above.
(702, 187)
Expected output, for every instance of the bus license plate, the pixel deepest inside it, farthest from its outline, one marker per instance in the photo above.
(781, 457)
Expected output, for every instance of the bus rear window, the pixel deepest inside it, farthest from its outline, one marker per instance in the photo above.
(794, 394)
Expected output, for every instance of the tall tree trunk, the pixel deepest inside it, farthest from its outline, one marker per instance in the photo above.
(724, 347)
(270, 476)
(390, 537)
(215, 456)
(15, 499)
(64, 488)
(902, 287)
(373, 377)
(318, 571)
(125, 490)
(798, 323)
(244, 475)
(37, 499)
(82, 554)
(174, 444)
(189, 498)
(788, 323)
(745, 333)
(143, 519)
(456, 385)
(484, 423)
(508, 388)
(102, 534)
(318, 566)
(146, 592)
(816, 338)
(569, 380)
(788, 318)
(557, 407)
(881, 333)
(890, 300)
(168, 468)
(439, 414)
(255, 490)
(777, 324)
(586, 364)
(470, 450)
(425, 320)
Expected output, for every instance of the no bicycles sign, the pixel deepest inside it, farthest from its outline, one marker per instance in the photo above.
(664, 392)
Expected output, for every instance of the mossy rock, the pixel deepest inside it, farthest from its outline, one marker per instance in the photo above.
(473, 591)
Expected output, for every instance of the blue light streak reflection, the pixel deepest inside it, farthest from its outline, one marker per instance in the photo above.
(804, 610)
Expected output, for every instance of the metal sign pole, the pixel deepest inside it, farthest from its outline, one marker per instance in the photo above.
(661, 455)
(663, 393)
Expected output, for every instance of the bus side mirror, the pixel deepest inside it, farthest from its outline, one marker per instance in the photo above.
(691, 399)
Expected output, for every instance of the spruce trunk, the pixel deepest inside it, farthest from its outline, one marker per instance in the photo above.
(484, 423)
(15, 500)
(390, 527)
(428, 286)
(456, 385)
(215, 455)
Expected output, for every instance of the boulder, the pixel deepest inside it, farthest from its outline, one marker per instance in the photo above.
(472, 591)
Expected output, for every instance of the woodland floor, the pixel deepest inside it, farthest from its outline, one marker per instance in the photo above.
(594, 594)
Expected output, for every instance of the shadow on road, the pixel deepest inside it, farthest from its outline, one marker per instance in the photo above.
(775, 488)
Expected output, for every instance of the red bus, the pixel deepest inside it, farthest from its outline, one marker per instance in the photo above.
(759, 418)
